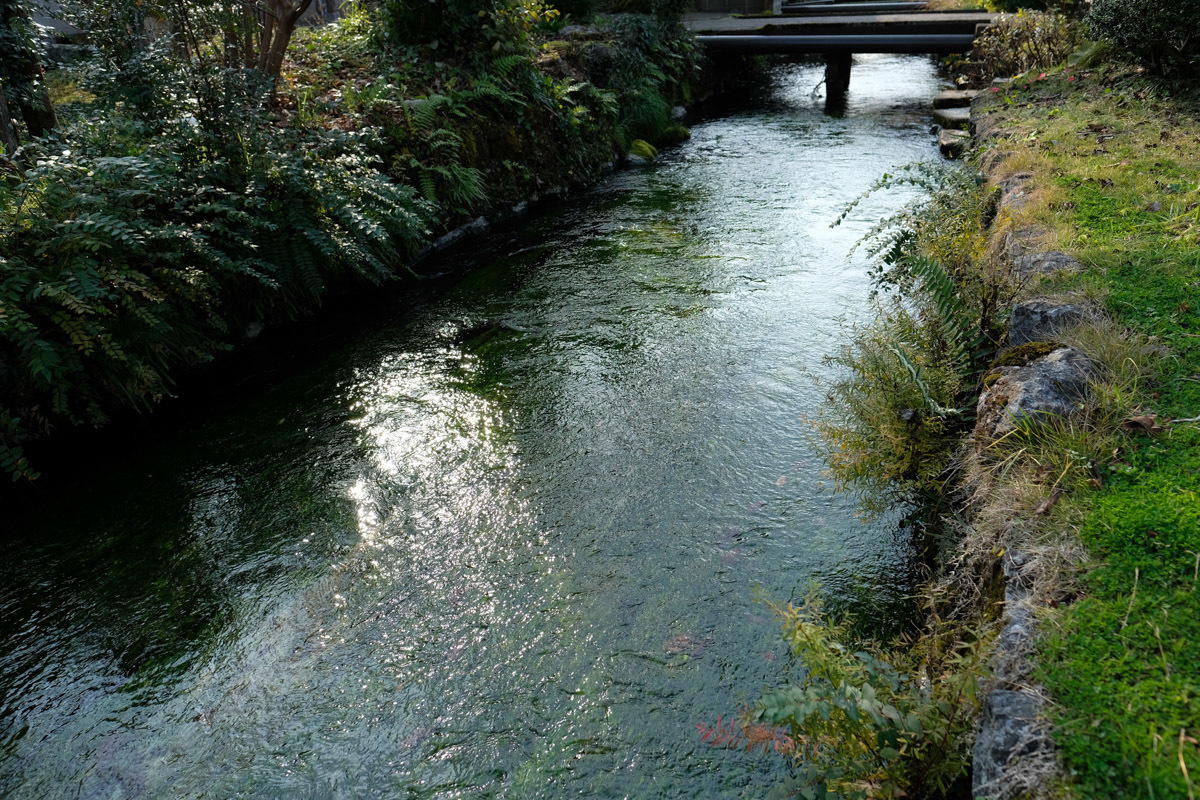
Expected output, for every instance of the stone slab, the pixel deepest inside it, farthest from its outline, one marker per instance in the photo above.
(957, 118)
(954, 98)
(953, 143)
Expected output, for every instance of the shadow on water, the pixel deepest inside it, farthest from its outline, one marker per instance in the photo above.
(495, 536)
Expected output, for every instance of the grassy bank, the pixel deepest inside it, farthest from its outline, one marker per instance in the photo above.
(183, 200)
(1115, 157)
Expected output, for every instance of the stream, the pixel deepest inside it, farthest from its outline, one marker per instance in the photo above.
(505, 541)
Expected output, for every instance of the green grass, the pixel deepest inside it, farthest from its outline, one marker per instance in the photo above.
(1124, 665)
(1116, 159)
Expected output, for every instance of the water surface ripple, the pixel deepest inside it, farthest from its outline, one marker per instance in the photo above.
(505, 543)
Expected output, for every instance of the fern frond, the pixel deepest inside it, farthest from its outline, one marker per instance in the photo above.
(914, 372)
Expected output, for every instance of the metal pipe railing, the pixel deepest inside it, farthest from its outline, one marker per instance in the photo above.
(851, 43)
(852, 8)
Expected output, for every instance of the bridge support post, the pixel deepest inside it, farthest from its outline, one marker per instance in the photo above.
(837, 74)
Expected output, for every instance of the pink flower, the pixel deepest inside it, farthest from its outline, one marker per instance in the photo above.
(995, 89)
(1070, 79)
(1041, 76)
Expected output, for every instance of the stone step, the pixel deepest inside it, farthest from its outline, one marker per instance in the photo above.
(952, 117)
(953, 143)
(954, 98)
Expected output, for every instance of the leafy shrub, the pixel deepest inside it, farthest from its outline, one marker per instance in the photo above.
(911, 375)
(862, 723)
(1061, 6)
(893, 413)
(468, 27)
(652, 61)
(1027, 40)
(118, 269)
(1160, 34)
(456, 22)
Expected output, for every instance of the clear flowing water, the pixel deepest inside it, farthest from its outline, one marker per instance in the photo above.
(506, 542)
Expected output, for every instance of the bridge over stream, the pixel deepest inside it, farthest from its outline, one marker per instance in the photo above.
(838, 31)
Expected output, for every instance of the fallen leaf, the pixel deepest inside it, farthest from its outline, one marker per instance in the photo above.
(1047, 504)
(1151, 533)
(1095, 483)
(1156, 206)
(1143, 422)
(781, 481)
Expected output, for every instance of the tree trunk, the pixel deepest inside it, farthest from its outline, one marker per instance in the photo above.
(286, 17)
(266, 34)
(33, 100)
(39, 115)
(8, 131)
(248, 19)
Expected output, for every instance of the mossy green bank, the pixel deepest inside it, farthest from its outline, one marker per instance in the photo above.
(1116, 159)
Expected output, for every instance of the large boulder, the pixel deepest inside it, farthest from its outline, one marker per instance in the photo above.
(1031, 264)
(1038, 320)
(1046, 389)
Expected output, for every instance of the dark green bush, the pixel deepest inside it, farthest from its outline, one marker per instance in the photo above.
(1159, 34)
(456, 23)
(578, 10)
(138, 244)
(667, 10)
(468, 27)
(861, 721)
(649, 71)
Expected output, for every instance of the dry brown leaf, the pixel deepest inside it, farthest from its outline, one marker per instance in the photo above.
(1047, 504)
(1142, 422)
